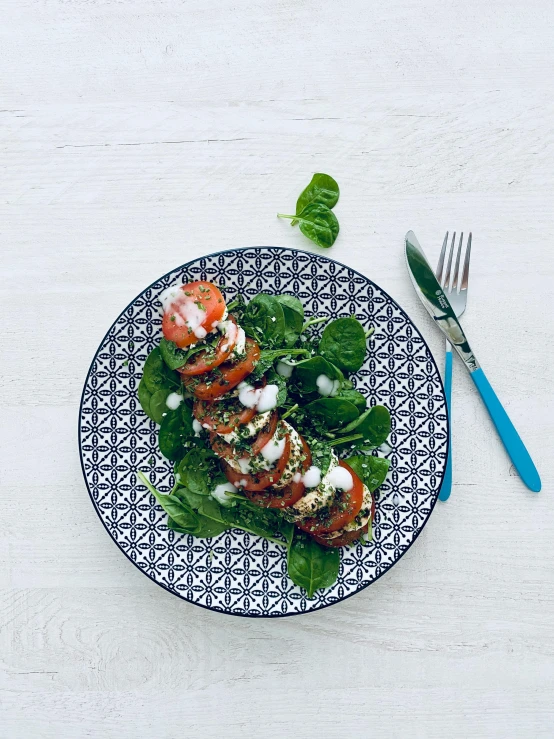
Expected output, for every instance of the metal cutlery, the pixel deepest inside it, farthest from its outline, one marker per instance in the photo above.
(438, 306)
(455, 286)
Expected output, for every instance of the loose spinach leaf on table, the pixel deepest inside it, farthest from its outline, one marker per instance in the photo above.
(264, 321)
(371, 470)
(343, 343)
(310, 565)
(318, 223)
(293, 311)
(199, 471)
(322, 190)
(332, 412)
(307, 371)
(175, 430)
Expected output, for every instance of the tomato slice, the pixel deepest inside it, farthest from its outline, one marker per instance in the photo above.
(290, 494)
(265, 434)
(339, 514)
(209, 358)
(229, 375)
(341, 541)
(206, 413)
(260, 480)
(195, 308)
(349, 536)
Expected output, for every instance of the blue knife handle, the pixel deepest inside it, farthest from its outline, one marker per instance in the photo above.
(446, 487)
(509, 436)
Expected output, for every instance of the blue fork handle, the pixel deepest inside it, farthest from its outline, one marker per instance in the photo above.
(509, 436)
(446, 487)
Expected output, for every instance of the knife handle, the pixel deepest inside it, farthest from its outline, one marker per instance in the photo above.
(446, 487)
(509, 436)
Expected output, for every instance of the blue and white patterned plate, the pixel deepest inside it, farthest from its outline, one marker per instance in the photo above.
(236, 572)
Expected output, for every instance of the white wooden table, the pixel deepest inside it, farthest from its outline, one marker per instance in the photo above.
(136, 135)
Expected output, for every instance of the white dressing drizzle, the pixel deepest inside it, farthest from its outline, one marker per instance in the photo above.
(326, 386)
(341, 479)
(262, 398)
(273, 450)
(285, 370)
(173, 401)
(220, 493)
(312, 477)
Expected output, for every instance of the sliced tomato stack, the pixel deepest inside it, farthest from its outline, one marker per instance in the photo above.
(210, 375)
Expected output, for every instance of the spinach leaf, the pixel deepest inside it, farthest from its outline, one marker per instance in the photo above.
(307, 371)
(268, 357)
(157, 375)
(310, 565)
(322, 190)
(318, 223)
(158, 405)
(293, 311)
(208, 511)
(332, 412)
(199, 471)
(206, 528)
(343, 343)
(373, 425)
(175, 430)
(180, 513)
(144, 396)
(175, 357)
(355, 397)
(264, 321)
(244, 515)
(371, 470)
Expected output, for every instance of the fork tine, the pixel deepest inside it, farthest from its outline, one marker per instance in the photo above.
(465, 276)
(457, 267)
(449, 264)
(440, 265)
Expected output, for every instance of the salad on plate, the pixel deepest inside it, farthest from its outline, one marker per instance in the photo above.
(262, 421)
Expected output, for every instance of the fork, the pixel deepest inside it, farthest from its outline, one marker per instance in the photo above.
(457, 295)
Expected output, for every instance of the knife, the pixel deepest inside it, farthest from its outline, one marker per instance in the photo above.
(438, 306)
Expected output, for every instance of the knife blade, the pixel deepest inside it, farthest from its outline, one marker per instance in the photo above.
(435, 301)
(438, 306)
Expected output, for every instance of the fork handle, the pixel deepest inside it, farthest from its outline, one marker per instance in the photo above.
(446, 487)
(509, 436)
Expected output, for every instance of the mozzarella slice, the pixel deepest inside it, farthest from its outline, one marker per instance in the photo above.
(320, 496)
(361, 519)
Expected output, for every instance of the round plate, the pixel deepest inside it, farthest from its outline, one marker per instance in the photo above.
(238, 573)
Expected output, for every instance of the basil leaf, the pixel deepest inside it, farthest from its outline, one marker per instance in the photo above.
(310, 565)
(322, 190)
(199, 471)
(157, 375)
(307, 371)
(264, 321)
(371, 470)
(343, 343)
(319, 224)
(175, 430)
(333, 412)
(293, 311)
